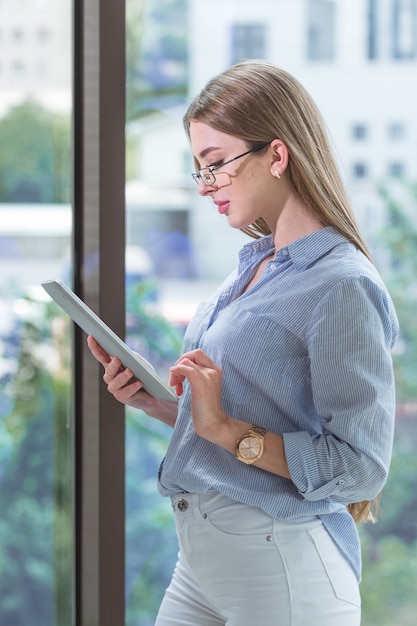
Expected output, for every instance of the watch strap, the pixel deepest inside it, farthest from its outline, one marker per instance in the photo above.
(258, 430)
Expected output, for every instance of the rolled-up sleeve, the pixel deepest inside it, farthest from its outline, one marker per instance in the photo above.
(349, 339)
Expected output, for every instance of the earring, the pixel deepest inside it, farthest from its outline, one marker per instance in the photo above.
(277, 174)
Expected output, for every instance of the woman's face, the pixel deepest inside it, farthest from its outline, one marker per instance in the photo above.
(244, 190)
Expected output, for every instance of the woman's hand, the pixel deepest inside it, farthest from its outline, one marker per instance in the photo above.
(209, 419)
(205, 379)
(127, 389)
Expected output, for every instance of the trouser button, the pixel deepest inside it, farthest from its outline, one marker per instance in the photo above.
(182, 505)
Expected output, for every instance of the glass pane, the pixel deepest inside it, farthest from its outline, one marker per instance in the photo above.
(35, 362)
(159, 251)
(180, 249)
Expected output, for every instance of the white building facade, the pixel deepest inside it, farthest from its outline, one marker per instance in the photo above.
(34, 52)
(358, 59)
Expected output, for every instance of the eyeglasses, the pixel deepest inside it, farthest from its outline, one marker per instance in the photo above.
(207, 173)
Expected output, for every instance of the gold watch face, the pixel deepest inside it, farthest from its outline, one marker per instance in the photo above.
(250, 447)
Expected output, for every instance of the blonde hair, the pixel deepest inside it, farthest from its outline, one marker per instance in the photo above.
(257, 102)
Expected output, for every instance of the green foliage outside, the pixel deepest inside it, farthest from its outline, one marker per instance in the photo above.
(36, 479)
(35, 155)
(390, 546)
(400, 240)
(35, 482)
(35, 436)
(151, 545)
(35, 527)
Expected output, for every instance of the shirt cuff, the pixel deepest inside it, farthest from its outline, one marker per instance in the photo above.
(305, 472)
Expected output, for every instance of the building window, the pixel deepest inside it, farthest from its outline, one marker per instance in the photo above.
(17, 71)
(404, 29)
(396, 131)
(17, 35)
(373, 39)
(43, 35)
(321, 35)
(248, 42)
(360, 132)
(396, 169)
(360, 170)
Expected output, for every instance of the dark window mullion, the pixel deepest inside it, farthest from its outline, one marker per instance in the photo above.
(99, 278)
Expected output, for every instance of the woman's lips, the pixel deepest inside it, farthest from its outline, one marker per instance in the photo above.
(222, 207)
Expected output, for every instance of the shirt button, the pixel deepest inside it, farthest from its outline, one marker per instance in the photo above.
(341, 482)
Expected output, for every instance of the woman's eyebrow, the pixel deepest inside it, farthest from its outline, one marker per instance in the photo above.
(207, 151)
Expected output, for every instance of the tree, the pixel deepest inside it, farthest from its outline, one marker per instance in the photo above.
(34, 155)
(36, 477)
(389, 547)
(400, 240)
(36, 491)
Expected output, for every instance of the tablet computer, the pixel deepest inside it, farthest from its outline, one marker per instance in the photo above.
(84, 317)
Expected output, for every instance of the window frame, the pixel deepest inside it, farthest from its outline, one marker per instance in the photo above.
(99, 279)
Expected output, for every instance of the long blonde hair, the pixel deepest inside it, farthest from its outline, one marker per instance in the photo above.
(258, 102)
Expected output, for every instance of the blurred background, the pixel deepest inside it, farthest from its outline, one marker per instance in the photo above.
(358, 58)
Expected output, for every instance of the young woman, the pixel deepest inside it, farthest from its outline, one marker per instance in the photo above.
(283, 431)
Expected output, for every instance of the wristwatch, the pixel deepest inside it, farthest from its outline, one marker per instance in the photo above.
(250, 447)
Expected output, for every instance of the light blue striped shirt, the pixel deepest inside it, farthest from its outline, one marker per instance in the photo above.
(307, 353)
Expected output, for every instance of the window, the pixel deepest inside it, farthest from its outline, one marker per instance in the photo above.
(360, 132)
(404, 29)
(396, 169)
(248, 42)
(36, 499)
(17, 35)
(36, 534)
(360, 170)
(373, 38)
(43, 34)
(396, 131)
(321, 35)
(17, 72)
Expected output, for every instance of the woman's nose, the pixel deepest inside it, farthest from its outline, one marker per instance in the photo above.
(204, 189)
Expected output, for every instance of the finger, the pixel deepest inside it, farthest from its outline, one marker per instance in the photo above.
(130, 392)
(197, 356)
(113, 368)
(175, 378)
(179, 372)
(176, 381)
(186, 366)
(97, 351)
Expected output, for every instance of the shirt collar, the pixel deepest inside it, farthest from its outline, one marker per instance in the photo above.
(302, 252)
(309, 249)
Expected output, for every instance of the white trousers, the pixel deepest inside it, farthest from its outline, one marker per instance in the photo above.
(237, 566)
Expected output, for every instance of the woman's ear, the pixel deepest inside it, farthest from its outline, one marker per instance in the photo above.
(279, 158)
